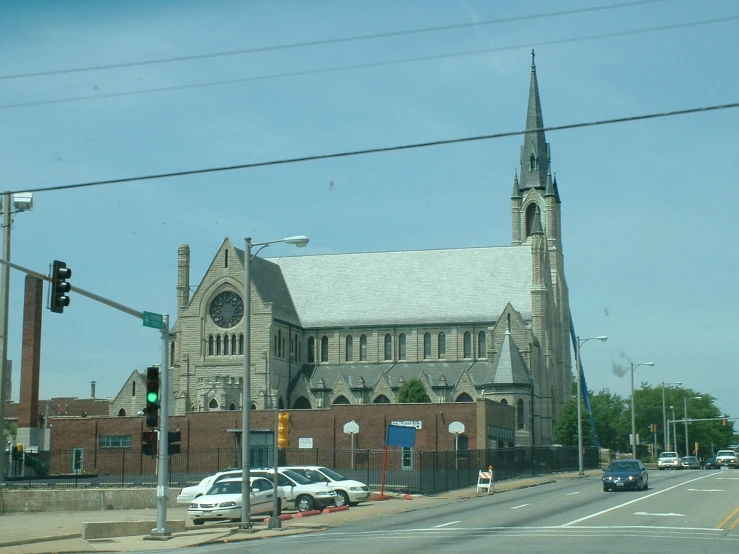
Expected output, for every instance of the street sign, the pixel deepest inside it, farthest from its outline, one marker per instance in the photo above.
(155, 321)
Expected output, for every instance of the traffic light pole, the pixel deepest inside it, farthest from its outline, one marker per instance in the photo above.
(4, 293)
(161, 531)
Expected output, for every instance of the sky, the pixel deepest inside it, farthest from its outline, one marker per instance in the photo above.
(648, 207)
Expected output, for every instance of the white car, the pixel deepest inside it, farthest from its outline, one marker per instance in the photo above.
(298, 491)
(223, 500)
(349, 491)
(188, 494)
(727, 458)
(668, 460)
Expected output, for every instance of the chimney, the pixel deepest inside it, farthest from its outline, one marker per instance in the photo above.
(92, 388)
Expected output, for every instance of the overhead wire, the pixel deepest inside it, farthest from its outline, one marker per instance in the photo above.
(325, 42)
(369, 64)
(378, 150)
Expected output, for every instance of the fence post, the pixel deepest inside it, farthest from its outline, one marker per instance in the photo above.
(123, 467)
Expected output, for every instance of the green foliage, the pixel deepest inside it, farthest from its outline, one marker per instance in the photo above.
(612, 415)
(10, 430)
(412, 391)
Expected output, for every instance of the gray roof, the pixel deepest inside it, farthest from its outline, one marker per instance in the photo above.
(510, 367)
(463, 285)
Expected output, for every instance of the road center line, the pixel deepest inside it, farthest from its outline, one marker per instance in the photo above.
(445, 524)
(517, 507)
(596, 514)
(571, 493)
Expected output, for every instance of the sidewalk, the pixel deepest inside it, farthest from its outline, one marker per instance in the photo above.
(38, 532)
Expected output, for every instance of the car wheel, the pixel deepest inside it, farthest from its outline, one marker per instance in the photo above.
(605, 489)
(342, 499)
(198, 521)
(304, 503)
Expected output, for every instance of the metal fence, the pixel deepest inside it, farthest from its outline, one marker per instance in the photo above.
(407, 470)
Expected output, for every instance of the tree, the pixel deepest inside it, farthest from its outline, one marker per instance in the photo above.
(10, 430)
(413, 391)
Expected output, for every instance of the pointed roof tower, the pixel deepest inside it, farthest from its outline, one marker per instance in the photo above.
(535, 149)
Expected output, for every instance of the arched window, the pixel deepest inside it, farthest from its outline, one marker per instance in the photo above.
(311, 350)
(210, 345)
(302, 403)
(363, 348)
(241, 344)
(481, 348)
(349, 355)
(233, 344)
(532, 162)
(467, 344)
(253, 406)
(442, 345)
(274, 346)
(280, 404)
(121, 412)
(388, 347)
(213, 404)
(324, 348)
(280, 344)
(133, 388)
(427, 345)
(232, 406)
(401, 346)
(225, 258)
(504, 402)
(171, 354)
(284, 349)
(341, 400)
(464, 397)
(226, 344)
(218, 345)
(520, 422)
(381, 399)
(530, 217)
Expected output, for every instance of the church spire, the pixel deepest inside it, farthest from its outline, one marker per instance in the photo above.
(535, 150)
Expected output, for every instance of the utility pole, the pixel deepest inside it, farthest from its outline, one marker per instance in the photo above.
(4, 293)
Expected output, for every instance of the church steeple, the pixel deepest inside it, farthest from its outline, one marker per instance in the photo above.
(535, 150)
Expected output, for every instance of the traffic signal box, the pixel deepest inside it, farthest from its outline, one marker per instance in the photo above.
(149, 443)
(152, 397)
(283, 429)
(725, 422)
(58, 299)
(173, 446)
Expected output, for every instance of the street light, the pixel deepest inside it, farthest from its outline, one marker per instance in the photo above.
(674, 429)
(665, 428)
(21, 202)
(580, 342)
(685, 407)
(633, 413)
(300, 241)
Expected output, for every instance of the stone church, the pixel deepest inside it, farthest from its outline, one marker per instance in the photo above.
(471, 323)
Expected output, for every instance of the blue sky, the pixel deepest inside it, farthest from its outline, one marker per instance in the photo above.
(649, 208)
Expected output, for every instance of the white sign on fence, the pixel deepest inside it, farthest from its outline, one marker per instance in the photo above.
(305, 442)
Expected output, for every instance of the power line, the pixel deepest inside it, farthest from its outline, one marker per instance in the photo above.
(382, 149)
(366, 65)
(325, 42)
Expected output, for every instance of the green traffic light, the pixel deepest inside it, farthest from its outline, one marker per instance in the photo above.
(152, 397)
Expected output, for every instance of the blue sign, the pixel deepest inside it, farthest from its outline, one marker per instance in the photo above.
(398, 435)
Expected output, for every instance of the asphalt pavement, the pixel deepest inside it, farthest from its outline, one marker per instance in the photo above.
(41, 532)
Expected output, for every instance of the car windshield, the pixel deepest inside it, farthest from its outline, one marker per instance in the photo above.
(624, 466)
(690, 459)
(225, 487)
(299, 479)
(331, 474)
(668, 455)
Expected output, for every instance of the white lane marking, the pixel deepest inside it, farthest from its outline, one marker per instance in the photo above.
(670, 514)
(517, 507)
(706, 490)
(727, 478)
(445, 524)
(571, 493)
(596, 514)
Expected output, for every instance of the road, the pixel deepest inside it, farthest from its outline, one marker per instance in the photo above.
(683, 511)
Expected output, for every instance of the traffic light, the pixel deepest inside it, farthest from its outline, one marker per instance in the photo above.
(725, 422)
(149, 443)
(283, 429)
(58, 298)
(649, 449)
(173, 446)
(152, 397)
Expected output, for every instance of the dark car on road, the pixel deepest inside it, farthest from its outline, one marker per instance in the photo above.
(690, 462)
(625, 474)
(711, 464)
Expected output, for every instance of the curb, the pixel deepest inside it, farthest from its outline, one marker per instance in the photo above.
(282, 517)
(306, 514)
(332, 509)
(34, 540)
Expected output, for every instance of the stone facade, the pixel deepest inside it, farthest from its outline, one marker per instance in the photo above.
(479, 323)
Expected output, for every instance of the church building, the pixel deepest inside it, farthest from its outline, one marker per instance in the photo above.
(472, 323)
